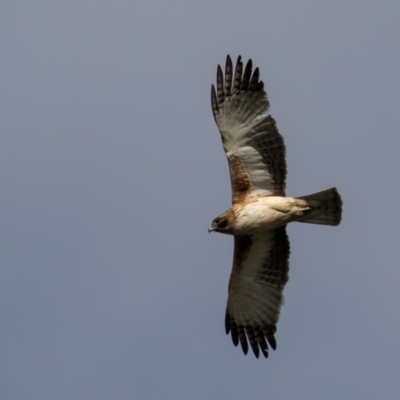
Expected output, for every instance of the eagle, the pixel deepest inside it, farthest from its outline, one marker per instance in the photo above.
(260, 208)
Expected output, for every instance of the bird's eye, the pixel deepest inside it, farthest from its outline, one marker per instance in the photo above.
(216, 220)
(223, 223)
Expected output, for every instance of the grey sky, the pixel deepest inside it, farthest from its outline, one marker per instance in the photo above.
(111, 170)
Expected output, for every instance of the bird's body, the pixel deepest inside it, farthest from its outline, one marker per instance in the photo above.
(260, 209)
(263, 214)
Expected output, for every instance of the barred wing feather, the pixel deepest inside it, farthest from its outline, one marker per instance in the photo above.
(259, 274)
(251, 140)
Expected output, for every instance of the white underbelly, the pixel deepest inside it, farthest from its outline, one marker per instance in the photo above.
(264, 214)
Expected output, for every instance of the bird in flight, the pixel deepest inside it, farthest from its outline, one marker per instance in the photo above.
(260, 208)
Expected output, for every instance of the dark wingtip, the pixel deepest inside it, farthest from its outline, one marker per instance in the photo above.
(227, 323)
(256, 349)
(220, 85)
(238, 75)
(228, 76)
(234, 334)
(243, 340)
(214, 102)
(265, 352)
(272, 342)
(212, 89)
(246, 75)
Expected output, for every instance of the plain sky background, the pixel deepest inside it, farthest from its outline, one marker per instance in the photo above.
(111, 170)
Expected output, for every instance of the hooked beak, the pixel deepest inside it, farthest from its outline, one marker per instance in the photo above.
(210, 229)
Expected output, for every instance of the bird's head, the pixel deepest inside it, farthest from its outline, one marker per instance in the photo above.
(221, 224)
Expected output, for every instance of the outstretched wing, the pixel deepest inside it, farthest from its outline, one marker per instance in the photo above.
(252, 143)
(259, 274)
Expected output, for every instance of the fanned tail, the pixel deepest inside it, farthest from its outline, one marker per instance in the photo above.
(325, 208)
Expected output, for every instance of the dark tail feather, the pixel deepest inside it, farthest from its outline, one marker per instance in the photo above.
(325, 208)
